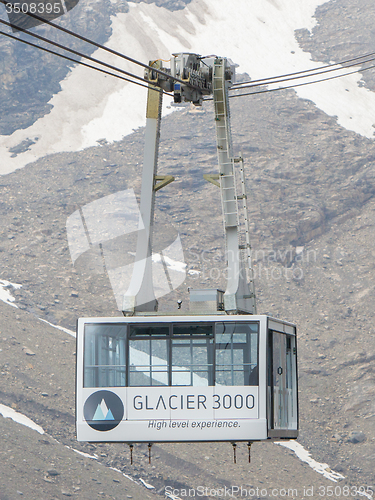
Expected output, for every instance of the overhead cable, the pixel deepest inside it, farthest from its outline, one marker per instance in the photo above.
(76, 61)
(301, 76)
(266, 81)
(298, 84)
(235, 87)
(95, 44)
(76, 52)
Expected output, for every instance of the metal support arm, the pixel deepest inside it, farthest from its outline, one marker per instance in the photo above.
(140, 296)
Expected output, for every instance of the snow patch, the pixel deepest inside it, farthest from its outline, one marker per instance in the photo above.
(94, 457)
(5, 294)
(193, 272)
(142, 481)
(128, 477)
(305, 456)
(146, 485)
(7, 412)
(171, 496)
(7, 297)
(173, 265)
(69, 332)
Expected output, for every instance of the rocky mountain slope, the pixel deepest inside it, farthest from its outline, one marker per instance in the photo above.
(312, 206)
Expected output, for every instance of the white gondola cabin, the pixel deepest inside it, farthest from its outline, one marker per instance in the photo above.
(186, 378)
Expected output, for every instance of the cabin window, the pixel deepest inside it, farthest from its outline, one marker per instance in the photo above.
(148, 362)
(105, 355)
(236, 354)
(192, 354)
(192, 362)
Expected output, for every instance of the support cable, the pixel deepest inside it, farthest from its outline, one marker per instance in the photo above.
(235, 87)
(91, 42)
(294, 86)
(301, 76)
(76, 61)
(146, 66)
(299, 84)
(265, 81)
(76, 52)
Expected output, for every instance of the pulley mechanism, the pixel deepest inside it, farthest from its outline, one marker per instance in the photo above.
(191, 77)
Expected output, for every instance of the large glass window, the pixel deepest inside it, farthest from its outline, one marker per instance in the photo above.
(148, 355)
(192, 354)
(104, 355)
(236, 354)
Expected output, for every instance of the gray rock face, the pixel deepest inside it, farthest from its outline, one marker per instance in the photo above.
(356, 437)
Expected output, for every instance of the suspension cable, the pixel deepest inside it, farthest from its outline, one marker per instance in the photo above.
(301, 76)
(265, 81)
(235, 87)
(297, 85)
(80, 62)
(91, 42)
(39, 37)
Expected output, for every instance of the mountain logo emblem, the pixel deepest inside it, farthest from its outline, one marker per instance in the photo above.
(103, 410)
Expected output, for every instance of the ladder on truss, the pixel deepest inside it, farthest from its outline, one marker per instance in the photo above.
(246, 245)
(240, 295)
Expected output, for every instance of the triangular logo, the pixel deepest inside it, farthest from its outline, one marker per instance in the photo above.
(98, 414)
(102, 412)
(104, 408)
(109, 416)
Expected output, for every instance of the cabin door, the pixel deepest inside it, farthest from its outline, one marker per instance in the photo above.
(282, 385)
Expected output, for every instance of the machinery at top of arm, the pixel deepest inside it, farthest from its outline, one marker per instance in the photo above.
(195, 72)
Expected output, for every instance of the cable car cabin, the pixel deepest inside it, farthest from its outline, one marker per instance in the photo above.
(186, 378)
